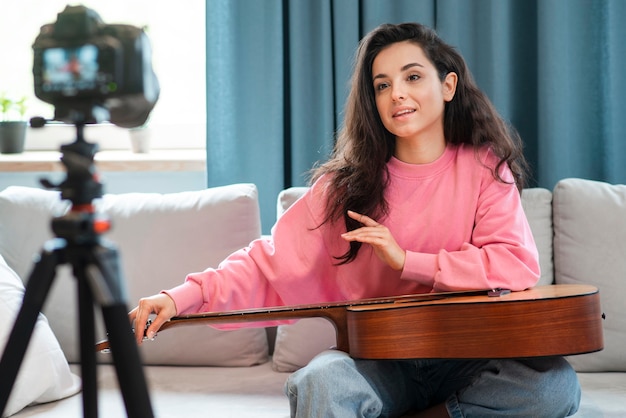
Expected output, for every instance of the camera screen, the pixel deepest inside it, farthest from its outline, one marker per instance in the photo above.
(70, 71)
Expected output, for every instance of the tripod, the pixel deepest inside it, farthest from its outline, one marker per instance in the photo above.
(95, 266)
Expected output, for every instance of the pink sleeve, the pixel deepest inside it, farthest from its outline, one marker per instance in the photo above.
(276, 272)
(501, 253)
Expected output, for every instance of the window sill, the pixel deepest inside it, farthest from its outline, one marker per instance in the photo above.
(114, 160)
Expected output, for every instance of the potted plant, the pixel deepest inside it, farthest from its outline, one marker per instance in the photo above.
(12, 131)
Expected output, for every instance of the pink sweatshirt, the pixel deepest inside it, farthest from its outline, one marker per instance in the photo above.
(461, 229)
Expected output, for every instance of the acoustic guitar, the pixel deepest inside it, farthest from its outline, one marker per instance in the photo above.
(542, 321)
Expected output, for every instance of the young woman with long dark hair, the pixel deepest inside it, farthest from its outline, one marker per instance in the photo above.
(421, 194)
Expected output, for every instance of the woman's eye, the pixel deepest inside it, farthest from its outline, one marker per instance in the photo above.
(381, 86)
(414, 77)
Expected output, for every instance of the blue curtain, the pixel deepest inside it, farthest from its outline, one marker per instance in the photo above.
(278, 70)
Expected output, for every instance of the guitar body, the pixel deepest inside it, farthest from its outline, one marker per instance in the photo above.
(542, 321)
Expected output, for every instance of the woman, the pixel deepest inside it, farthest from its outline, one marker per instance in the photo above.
(421, 195)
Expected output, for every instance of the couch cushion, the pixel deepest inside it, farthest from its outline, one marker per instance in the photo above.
(186, 392)
(590, 248)
(288, 197)
(297, 343)
(44, 374)
(537, 204)
(161, 238)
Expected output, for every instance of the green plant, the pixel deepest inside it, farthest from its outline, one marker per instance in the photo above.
(7, 105)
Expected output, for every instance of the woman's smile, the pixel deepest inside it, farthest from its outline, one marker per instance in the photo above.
(403, 112)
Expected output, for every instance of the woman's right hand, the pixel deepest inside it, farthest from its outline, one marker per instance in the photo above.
(162, 305)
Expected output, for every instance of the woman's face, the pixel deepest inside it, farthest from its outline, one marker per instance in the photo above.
(410, 97)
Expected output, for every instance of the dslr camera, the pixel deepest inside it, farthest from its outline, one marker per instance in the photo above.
(93, 72)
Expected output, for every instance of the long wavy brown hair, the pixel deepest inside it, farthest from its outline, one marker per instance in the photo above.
(358, 166)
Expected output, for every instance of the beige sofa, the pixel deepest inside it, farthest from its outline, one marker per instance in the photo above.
(580, 228)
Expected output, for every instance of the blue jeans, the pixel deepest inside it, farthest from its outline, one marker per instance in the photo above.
(335, 385)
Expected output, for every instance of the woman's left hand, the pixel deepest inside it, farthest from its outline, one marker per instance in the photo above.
(379, 237)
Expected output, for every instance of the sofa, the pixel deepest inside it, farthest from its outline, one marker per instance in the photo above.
(193, 371)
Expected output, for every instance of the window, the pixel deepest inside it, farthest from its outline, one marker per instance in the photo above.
(177, 35)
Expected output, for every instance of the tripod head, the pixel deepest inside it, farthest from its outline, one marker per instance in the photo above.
(81, 186)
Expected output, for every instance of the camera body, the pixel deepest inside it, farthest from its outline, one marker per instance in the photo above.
(93, 72)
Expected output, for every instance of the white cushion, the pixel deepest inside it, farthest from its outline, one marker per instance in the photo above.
(161, 238)
(537, 204)
(296, 344)
(44, 374)
(288, 197)
(590, 248)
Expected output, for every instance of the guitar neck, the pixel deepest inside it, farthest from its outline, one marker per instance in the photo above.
(327, 310)
(334, 312)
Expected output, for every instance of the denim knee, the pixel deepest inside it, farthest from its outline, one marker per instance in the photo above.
(562, 391)
(540, 387)
(330, 386)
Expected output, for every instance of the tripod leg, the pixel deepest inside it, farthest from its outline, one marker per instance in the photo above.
(105, 280)
(127, 362)
(35, 294)
(87, 355)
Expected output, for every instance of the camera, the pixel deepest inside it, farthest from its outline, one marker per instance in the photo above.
(93, 72)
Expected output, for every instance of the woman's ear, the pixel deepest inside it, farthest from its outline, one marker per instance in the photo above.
(449, 86)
